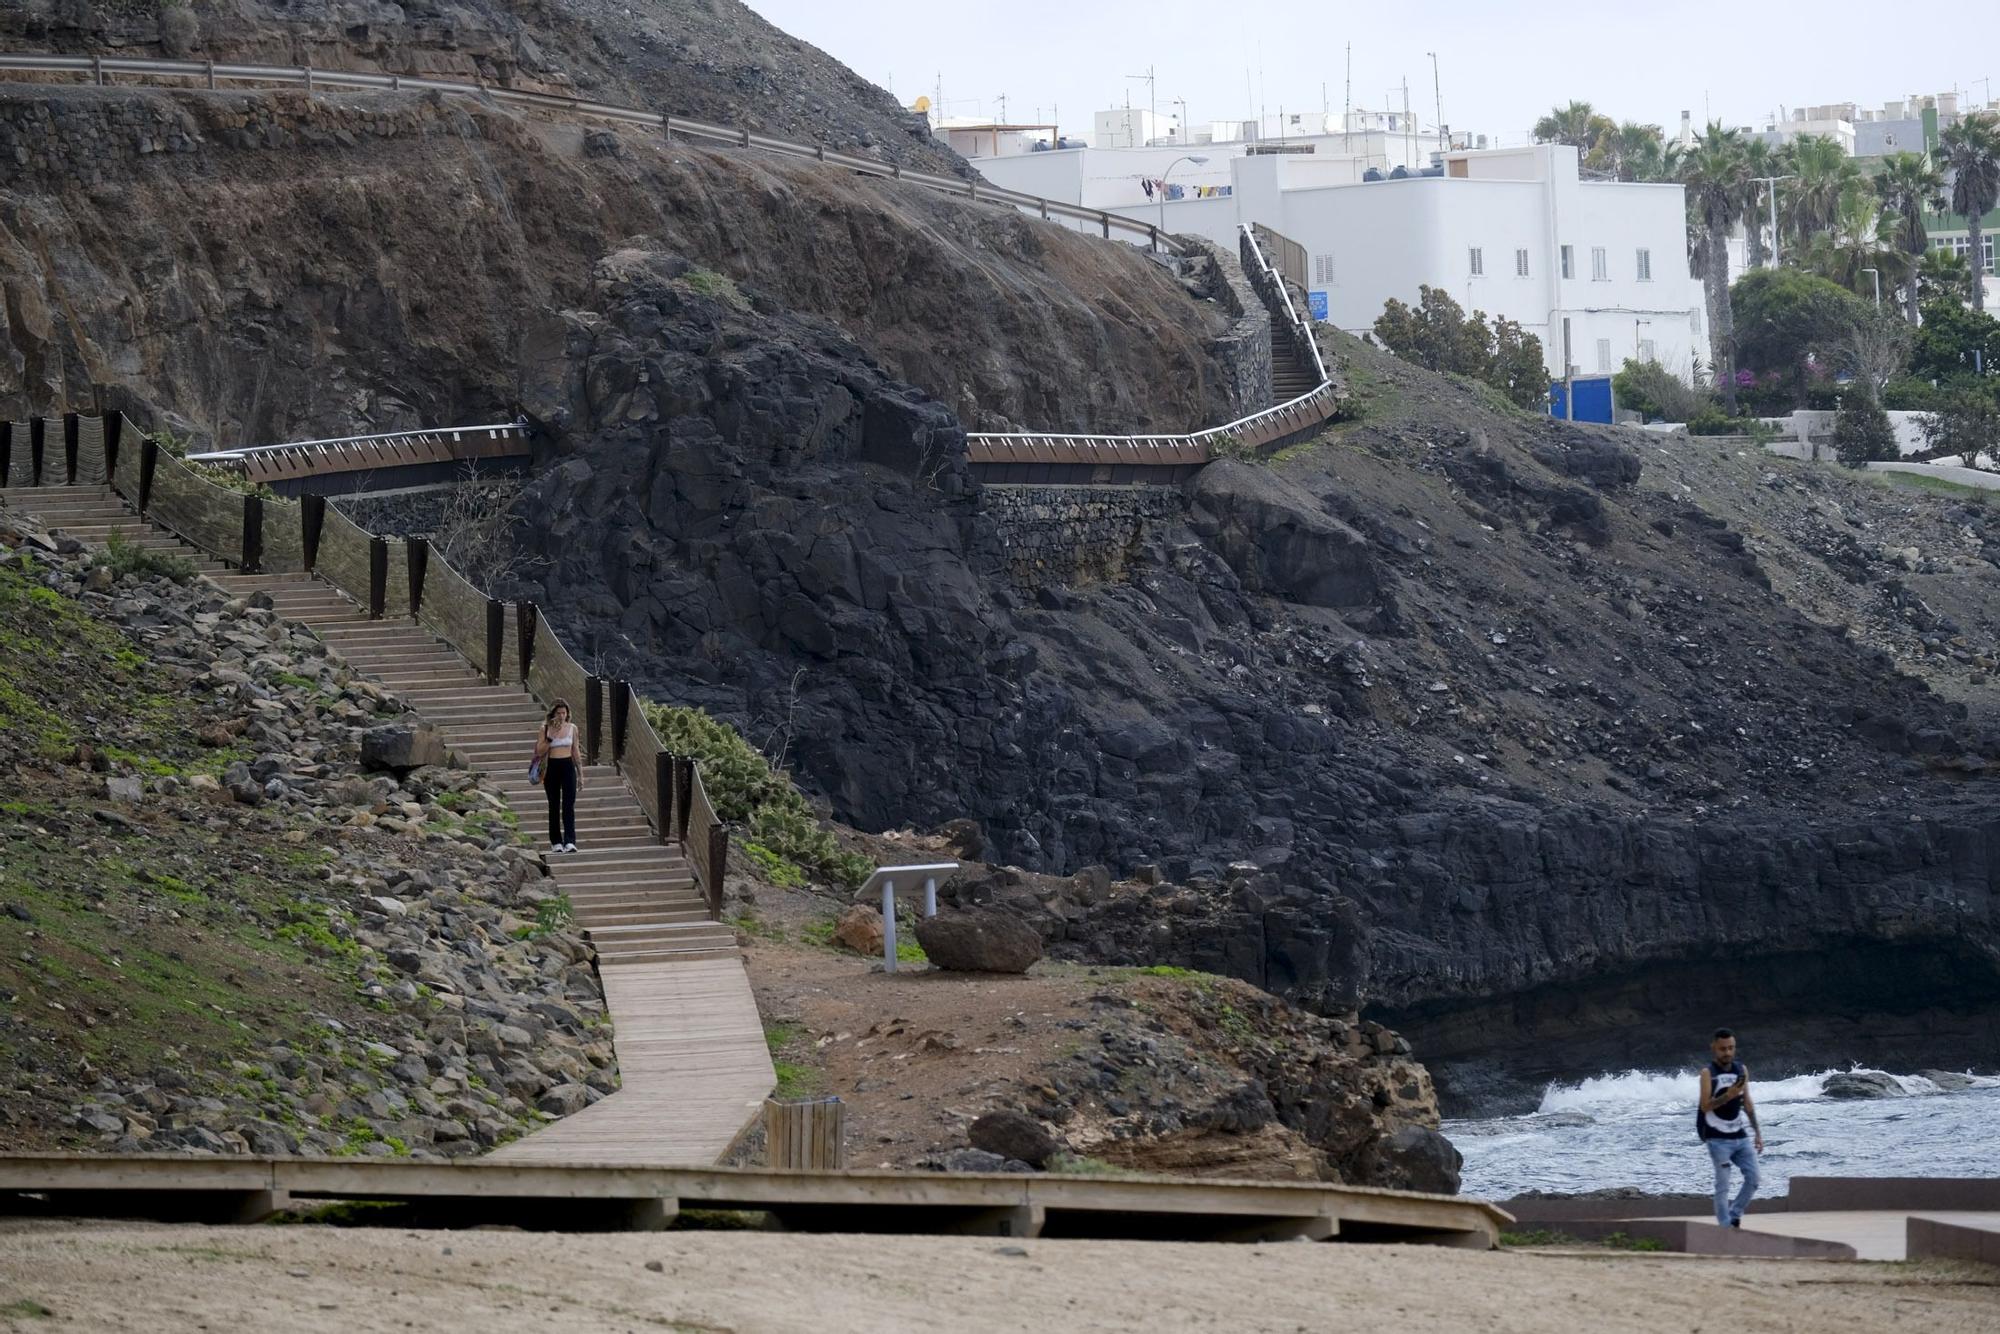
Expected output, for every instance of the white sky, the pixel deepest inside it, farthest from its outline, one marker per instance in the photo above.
(1501, 65)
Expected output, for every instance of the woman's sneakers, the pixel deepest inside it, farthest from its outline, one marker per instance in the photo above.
(562, 847)
(569, 847)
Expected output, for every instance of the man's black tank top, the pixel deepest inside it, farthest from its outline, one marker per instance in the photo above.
(1729, 1121)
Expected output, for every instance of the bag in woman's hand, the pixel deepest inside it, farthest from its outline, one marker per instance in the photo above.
(535, 765)
(535, 770)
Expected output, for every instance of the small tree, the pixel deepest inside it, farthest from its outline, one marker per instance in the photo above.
(1966, 423)
(1519, 369)
(1862, 433)
(1438, 335)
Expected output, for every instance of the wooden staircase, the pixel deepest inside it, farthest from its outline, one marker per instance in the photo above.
(91, 514)
(690, 1045)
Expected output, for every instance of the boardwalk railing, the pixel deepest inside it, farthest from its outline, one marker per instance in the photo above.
(1018, 456)
(368, 453)
(101, 70)
(393, 576)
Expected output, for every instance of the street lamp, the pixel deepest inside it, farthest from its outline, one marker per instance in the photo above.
(1198, 159)
(1770, 184)
(1876, 274)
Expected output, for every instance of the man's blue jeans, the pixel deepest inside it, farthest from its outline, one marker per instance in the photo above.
(1723, 1152)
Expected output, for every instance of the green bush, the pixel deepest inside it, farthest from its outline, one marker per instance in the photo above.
(1651, 389)
(1862, 433)
(122, 558)
(1907, 393)
(1714, 421)
(746, 791)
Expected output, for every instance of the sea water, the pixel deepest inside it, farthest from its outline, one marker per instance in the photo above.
(1637, 1129)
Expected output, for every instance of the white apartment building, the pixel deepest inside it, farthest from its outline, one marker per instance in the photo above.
(1599, 266)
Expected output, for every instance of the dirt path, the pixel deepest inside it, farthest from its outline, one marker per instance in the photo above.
(161, 1279)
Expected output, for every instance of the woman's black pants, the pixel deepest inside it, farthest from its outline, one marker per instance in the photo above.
(559, 780)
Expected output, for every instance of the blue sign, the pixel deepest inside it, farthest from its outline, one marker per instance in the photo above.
(1316, 304)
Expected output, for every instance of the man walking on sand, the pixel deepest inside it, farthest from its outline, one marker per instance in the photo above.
(1727, 1123)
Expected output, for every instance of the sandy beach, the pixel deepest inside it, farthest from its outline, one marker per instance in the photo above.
(92, 1275)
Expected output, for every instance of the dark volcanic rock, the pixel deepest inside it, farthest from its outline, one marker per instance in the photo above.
(1414, 1158)
(401, 747)
(1862, 1084)
(1014, 1135)
(978, 942)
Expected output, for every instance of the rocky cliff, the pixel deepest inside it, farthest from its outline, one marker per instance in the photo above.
(712, 60)
(250, 268)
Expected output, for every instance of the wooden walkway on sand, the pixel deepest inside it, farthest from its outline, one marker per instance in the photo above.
(483, 1190)
(691, 1050)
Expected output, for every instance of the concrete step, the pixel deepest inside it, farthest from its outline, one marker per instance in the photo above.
(591, 921)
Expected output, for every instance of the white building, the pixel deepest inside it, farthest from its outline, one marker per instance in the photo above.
(1132, 127)
(1512, 232)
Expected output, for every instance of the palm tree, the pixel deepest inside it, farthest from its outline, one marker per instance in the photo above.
(1824, 173)
(1861, 237)
(1760, 160)
(1972, 156)
(1944, 274)
(1632, 152)
(1713, 169)
(1577, 125)
(1909, 187)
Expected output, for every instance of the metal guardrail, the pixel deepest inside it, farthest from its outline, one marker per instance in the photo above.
(362, 453)
(101, 68)
(1198, 447)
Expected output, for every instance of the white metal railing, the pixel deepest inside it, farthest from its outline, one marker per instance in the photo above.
(1272, 423)
(100, 68)
(453, 432)
(1300, 328)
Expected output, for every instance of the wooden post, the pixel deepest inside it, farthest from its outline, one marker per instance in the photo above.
(378, 577)
(683, 795)
(37, 443)
(663, 783)
(253, 534)
(419, 552)
(621, 706)
(593, 718)
(70, 421)
(149, 459)
(496, 638)
(6, 449)
(805, 1136)
(718, 863)
(114, 435)
(312, 518)
(525, 616)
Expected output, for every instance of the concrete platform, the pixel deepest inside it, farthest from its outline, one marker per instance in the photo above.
(1875, 1234)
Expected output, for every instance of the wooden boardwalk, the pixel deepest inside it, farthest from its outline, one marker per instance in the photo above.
(691, 1051)
(244, 1189)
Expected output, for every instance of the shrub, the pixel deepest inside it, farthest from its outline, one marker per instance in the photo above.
(747, 791)
(1438, 335)
(121, 557)
(1862, 434)
(1713, 421)
(1966, 422)
(1907, 393)
(1650, 389)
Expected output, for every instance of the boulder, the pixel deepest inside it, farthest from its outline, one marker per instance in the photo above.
(1950, 1081)
(1014, 1135)
(979, 1160)
(860, 929)
(401, 747)
(1861, 1084)
(1413, 1158)
(973, 941)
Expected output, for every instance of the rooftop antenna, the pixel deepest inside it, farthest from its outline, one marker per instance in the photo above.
(1347, 95)
(1152, 100)
(1437, 91)
(1002, 99)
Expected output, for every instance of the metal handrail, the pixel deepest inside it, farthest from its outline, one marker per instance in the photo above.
(225, 455)
(1299, 327)
(312, 78)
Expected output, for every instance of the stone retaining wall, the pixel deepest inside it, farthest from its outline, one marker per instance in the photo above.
(1240, 358)
(1062, 535)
